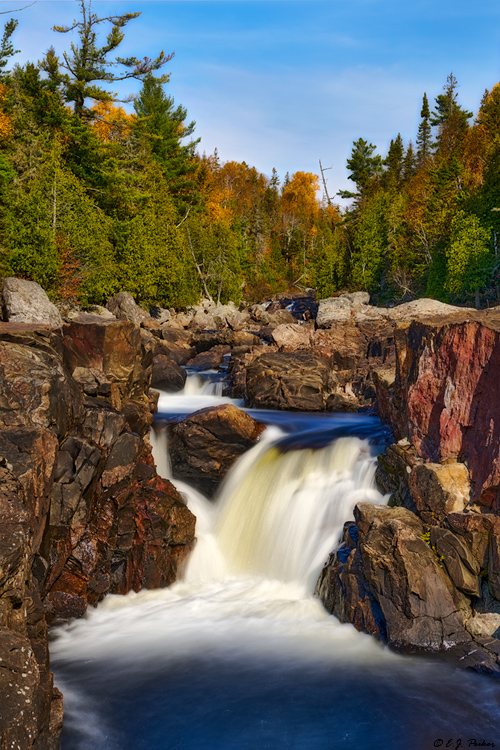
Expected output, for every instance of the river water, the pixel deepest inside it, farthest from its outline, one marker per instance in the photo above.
(239, 654)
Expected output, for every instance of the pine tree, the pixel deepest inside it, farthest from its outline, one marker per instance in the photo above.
(165, 126)
(424, 144)
(394, 163)
(363, 166)
(89, 66)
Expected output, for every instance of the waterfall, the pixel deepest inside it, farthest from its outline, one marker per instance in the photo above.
(278, 514)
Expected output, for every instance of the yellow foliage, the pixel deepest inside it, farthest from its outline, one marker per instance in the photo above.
(111, 124)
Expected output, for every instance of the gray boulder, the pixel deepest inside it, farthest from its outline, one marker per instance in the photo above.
(26, 302)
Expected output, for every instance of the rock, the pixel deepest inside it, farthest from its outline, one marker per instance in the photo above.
(204, 445)
(334, 310)
(160, 315)
(439, 489)
(205, 340)
(35, 388)
(446, 396)
(83, 512)
(167, 375)
(103, 312)
(456, 555)
(484, 625)
(124, 307)
(26, 302)
(299, 381)
(211, 359)
(391, 584)
(176, 344)
(289, 337)
(117, 351)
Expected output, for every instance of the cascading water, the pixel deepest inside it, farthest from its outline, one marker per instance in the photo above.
(239, 654)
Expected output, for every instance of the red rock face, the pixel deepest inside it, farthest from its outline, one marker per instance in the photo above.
(446, 397)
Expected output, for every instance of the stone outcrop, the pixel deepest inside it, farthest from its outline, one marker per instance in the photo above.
(167, 374)
(82, 509)
(204, 445)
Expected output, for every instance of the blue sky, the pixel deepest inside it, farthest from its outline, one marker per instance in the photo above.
(284, 83)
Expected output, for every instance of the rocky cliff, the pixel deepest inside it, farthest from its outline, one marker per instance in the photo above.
(83, 512)
(424, 576)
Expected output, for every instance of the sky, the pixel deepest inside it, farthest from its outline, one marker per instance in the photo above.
(286, 83)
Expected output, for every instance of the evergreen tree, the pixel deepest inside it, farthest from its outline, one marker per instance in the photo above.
(164, 124)
(363, 166)
(89, 66)
(424, 145)
(6, 47)
(394, 163)
(469, 257)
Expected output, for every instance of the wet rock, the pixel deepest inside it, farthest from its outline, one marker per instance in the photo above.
(211, 359)
(167, 375)
(205, 445)
(26, 302)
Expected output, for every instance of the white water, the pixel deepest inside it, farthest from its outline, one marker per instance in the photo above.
(245, 607)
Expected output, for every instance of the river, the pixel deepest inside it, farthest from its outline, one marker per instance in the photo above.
(239, 654)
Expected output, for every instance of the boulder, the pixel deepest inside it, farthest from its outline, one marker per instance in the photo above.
(390, 583)
(26, 302)
(439, 489)
(205, 445)
(124, 307)
(210, 359)
(299, 381)
(167, 375)
(335, 310)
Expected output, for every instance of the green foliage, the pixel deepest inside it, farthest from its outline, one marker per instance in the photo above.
(469, 255)
(164, 125)
(363, 166)
(331, 266)
(155, 264)
(370, 244)
(217, 248)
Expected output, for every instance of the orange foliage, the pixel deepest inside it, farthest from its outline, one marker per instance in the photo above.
(299, 197)
(111, 123)
(5, 119)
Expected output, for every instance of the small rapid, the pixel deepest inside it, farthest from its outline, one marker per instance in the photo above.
(239, 654)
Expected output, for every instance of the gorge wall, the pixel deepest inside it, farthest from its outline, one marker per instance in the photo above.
(83, 512)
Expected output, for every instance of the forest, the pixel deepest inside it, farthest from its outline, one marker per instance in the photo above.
(99, 195)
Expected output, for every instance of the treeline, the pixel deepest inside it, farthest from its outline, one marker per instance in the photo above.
(95, 199)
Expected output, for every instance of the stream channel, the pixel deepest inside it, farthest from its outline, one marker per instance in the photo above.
(239, 655)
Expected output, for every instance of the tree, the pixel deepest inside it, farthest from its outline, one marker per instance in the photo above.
(424, 145)
(6, 47)
(394, 163)
(447, 104)
(363, 166)
(469, 256)
(88, 66)
(165, 126)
